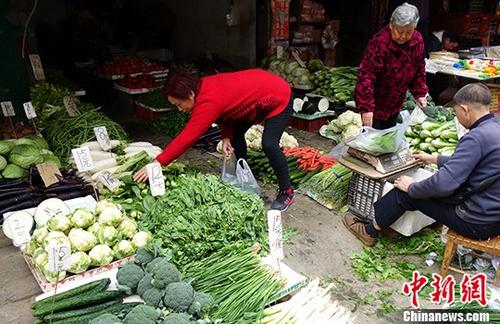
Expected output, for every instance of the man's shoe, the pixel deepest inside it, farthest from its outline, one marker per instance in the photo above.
(283, 200)
(357, 227)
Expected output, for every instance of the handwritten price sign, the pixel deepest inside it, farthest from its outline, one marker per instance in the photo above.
(108, 180)
(83, 159)
(59, 257)
(156, 179)
(29, 110)
(7, 109)
(275, 234)
(101, 133)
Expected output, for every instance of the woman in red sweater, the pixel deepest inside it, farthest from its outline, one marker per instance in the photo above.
(235, 101)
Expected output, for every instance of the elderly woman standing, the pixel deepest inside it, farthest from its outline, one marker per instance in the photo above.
(394, 62)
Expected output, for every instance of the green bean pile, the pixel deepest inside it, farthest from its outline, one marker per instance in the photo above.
(65, 133)
(238, 281)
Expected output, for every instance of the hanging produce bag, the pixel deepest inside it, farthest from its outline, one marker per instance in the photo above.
(238, 174)
(381, 141)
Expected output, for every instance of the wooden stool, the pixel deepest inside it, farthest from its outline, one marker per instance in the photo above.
(491, 246)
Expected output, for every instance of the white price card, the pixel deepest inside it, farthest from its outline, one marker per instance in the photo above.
(70, 105)
(279, 52)
(59, 257)
(8, 109)
(156, 179)
(19, 229)
(37, 67)
(101, 133)
(109, 180)
(275, 233)
(83, 159)
(29, 110)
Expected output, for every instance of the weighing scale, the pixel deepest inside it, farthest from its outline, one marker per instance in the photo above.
(386, 163)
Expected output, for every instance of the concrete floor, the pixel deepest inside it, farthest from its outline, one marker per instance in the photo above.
(320, 249)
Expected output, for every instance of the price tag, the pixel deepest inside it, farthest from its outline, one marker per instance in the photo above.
(29, 110)
(70, 105)
(8, 109)
(19, 230)
(156, 179)
(101, 133)
(275, 233)
(109, 180)
(279, 52)
(59, 257)
(298, 59)
(49, 172)
(83, 159)
(37, 67)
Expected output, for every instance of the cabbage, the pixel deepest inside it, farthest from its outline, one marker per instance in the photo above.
(127, 228)
(24, 141)
(101, 255)
(103, 204)
(111, 215)
(52, 276)
(82, 218)
(81, 240)
(108, 235)
(51, 158)
(25, 155)
(80, 262)
(301, 72)
(6, 147)
(290, 67)
(12, 171)
(30, 248)
(141, 239)
(54, 238)
(59, 223)
(123, 249)
(37, 141)
(3, 163)
(40, 233)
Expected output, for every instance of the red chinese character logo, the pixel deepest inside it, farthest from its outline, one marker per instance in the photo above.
(473, 289)
(413, 287)
(443, 289)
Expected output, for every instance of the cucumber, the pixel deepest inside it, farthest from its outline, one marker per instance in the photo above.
(95, 286)
(116, 309)
(80, 312)
(79, 301)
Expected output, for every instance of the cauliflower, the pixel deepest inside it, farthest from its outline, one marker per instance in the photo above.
(152, 297)
(347, 118)
(202, 304)
(123, 249)
(178, 296)
(80, 262)
(142, 314)
(101, 255)
(351, 130)
(111, 215)
(128, 276)
(82, 218)
(81, 240)
(59, 223)
(105, 319)
(288, 141)
(144, 284)
(177, 318)
(108, 235)
(165, 274)
(39, 234)
(141, 239)
(127, 228)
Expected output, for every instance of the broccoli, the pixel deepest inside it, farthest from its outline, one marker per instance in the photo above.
(164, 274)
(202, 304)
(105, 319)
(156, 261)
(128, 277)
(143, 256)
(178, 296)
(144, 284)
(142, 314)
(177, 318)
(152, 297)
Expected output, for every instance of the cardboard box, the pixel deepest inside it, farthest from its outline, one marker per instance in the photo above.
(293, 280)
(495, 97)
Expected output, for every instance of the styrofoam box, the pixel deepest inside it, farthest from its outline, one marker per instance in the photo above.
(412, 221)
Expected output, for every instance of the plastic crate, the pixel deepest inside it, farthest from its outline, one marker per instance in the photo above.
(362, 193)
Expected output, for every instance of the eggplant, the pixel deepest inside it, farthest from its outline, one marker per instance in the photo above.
(14, 184)
(18, 199)
(71, 194)
(62, 187)
(16, 192)
(20, 206)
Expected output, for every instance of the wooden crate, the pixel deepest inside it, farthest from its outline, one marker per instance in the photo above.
(495, 97)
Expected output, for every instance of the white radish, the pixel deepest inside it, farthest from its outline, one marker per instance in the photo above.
(143, 144)
(101, 155)
(104, 164)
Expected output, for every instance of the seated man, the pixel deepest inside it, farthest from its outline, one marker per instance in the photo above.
(476, 159)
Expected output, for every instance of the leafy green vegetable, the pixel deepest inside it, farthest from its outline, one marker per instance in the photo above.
(25, 155)
(12, 171)
(178, 296)
(129, 275)
(3, 163)
(202, 215)
(6, 146)
(172, 122)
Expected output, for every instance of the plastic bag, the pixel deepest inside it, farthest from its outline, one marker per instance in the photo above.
(239, 175)
(381, 141)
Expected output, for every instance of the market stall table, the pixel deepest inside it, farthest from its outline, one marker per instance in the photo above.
(446, 65)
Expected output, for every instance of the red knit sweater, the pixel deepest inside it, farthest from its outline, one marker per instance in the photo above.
(250, 96)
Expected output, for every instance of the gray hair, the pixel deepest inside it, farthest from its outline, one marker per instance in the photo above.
(405, 14)
(473, 94)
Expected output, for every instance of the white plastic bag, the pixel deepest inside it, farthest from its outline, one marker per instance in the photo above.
(381, 141)
(238, 174)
